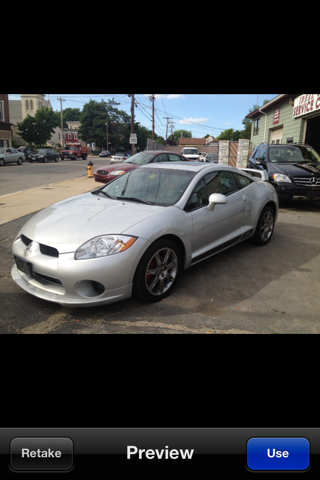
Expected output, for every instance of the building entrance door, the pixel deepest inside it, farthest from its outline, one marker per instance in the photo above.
(276, 135)
(313, 132)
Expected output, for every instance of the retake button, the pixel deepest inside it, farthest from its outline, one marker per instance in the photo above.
(278, 454)
(41, 454)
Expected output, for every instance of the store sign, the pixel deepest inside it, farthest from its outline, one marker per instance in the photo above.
(307, 103)
(276, 116)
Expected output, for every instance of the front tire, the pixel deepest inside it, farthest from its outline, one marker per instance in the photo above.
(265, 227)
(20, 161)
(158, 271)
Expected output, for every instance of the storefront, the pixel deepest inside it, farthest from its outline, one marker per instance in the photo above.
(288, 118)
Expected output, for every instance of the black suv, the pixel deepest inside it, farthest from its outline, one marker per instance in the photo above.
(293, 169)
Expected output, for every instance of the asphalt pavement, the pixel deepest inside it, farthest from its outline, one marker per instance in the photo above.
(246, 289)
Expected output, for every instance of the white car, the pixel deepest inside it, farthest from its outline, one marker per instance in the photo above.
(10, 155)
(203, 157)
(119, 157)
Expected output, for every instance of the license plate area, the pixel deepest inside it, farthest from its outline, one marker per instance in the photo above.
(23, 266)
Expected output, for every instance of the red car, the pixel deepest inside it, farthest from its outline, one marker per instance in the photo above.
(110, 172)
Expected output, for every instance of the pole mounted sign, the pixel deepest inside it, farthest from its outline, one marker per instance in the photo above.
(133, 139)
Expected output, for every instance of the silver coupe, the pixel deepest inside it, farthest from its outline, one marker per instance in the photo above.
(137, 234)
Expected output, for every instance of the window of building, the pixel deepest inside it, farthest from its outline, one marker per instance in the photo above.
(31, 105)
(75, 136)
(256, 127)
(2, 111)
(69, 136)
(27, 104)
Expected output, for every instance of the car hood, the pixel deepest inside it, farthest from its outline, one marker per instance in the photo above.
(69, 224)
(294, 169)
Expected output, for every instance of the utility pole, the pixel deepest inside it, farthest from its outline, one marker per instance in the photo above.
(167, 118)
(62, 142)
(107, 136)
(132, 120)
(152, 98)
(172, 124)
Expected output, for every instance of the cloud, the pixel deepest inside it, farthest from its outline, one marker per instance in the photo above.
(171, 96)
(193, 120)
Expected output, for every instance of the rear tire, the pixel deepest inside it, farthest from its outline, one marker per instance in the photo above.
(265, 227)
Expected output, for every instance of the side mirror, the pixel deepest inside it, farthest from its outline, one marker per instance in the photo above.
(262, 163)
(216, 199)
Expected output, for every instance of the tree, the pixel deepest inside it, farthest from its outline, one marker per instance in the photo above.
(230, 134)
(94, 117)
(38, 129)
(177, 134)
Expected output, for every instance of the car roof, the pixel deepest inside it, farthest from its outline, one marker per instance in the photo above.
(187, 166)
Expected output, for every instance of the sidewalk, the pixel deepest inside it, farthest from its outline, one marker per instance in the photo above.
(19, 204)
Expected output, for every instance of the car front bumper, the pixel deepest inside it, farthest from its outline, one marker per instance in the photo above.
(71, 282)
(291, 190)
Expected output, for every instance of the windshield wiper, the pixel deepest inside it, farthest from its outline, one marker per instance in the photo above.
(133, 199)
(104, 193)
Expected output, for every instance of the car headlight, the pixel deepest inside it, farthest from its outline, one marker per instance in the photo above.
(117, 173)
(104, 246)
(279, 177)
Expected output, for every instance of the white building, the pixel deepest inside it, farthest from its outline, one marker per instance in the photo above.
(28, 105)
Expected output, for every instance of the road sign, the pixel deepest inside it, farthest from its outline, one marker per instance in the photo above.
(133, 139)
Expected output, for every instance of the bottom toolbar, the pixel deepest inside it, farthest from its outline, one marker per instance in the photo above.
(159, 453)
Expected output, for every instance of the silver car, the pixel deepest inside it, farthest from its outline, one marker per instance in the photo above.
(10, 155)
(137, 234)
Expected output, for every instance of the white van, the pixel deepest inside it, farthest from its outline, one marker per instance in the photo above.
(191, 153)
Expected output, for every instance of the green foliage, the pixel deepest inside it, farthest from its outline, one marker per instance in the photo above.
(229, 134)
(38, 129)
(94, 117)
(177, 135)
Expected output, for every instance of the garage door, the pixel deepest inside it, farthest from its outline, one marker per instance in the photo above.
(276, 136)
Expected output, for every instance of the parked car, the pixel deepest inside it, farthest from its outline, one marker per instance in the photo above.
(212, 158)
(137, 234)
(203, 157)
(105, 153)
(108, 173)
(293, 169)
(119, 157)
(10, 155)
(44, 155)
(26, 151)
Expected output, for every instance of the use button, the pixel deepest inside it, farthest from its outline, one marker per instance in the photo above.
(286, 454)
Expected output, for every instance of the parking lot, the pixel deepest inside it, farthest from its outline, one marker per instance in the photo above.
(245, 289)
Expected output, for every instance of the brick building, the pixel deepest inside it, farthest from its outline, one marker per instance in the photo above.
(5, 125)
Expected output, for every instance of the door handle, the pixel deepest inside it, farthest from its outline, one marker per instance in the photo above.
(245, 198)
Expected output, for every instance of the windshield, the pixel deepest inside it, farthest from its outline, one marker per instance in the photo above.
(153, 186)
(141, 158)
(293, 154)
(191, 151)
(41, 150)
(71, 148)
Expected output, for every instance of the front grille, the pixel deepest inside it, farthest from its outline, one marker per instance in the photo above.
(49, 251)
(307, 181)
(44, 249)
(26, 240)
(45, 278)
(102, 172)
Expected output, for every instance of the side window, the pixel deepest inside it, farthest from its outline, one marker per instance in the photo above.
(262, 155)
(224, 183)
(257, 153)
(161, 158)
(174, 158)
(243, 181)
(198, 197)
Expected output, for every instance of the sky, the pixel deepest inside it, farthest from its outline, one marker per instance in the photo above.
(200, 113)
